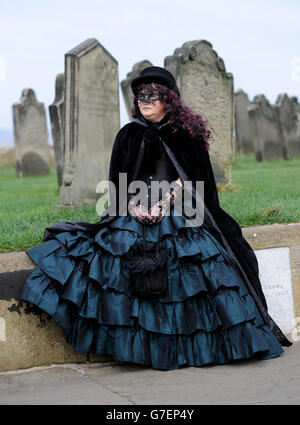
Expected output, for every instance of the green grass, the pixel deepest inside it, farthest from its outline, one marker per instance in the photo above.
(267, 193)
(29, 205)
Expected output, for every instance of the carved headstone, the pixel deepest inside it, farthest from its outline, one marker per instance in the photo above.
(242, 123)
(288, 109)
(276, 280)
(92, 120)
(126, 87)
(30, 136)
(266, 130)
(56, 112)
(207, 89)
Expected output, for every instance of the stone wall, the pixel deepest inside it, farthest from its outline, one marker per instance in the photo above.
(268, 239)
(29, 337)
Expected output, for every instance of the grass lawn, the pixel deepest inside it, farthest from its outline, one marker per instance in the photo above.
(266, 193)
(29, 205)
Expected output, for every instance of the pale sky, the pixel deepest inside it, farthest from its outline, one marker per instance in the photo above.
(258, 40)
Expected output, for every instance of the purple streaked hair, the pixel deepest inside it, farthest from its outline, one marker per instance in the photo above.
(181, 116)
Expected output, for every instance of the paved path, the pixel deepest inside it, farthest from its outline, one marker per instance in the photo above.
(273, 381)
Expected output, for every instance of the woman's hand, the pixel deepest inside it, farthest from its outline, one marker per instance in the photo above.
(159, 210)
(139, 213)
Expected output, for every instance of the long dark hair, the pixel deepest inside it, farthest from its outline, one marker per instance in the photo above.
(180, 115)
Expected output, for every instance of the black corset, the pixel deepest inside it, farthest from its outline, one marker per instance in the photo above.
(164, 170)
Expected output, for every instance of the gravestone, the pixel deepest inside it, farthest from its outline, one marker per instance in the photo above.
(242, 124)
(298, 124)
(30, 136)
(288, 110)
(126, 87)
(207, 89)
(56, 112)
(92, 120)
(276, 280)
(266, 129)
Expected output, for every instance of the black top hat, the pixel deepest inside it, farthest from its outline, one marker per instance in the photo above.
(155, 74)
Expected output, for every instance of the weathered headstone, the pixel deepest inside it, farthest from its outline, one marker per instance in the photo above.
(30, 136)
(92, 120)
(298, 124)
(207, 89)
(126, 87)
(266, 129)
(288, 110)
(242, 123)
(56, 112)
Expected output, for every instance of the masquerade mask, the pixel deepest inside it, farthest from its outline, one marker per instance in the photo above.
(149, 97)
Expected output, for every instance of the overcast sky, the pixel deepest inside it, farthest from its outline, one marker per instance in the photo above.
(258, 40)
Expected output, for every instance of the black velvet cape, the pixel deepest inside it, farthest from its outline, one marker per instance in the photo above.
(134, 147)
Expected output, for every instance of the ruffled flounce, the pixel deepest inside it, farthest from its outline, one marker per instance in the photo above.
(206, 316)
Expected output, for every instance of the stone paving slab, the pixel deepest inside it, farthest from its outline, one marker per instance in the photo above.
(252, 382)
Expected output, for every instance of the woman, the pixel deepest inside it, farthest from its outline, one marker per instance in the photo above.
(150, 286)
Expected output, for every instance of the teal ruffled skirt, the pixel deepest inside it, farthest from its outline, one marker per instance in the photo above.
(206, 317)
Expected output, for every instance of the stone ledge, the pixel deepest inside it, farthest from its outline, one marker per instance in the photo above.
(32, 338)
(16, 260)
(272, 235)
(28, 336)
(258, 237)
(278, 236)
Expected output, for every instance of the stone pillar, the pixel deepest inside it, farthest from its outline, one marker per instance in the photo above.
(125, 84)
(56, 112)
(242, 123)
(207, 89)
(265, 126)
(92, 120)
(288, 110)
(30, 136)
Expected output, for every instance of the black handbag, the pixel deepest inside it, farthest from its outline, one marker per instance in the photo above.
(148, 268)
